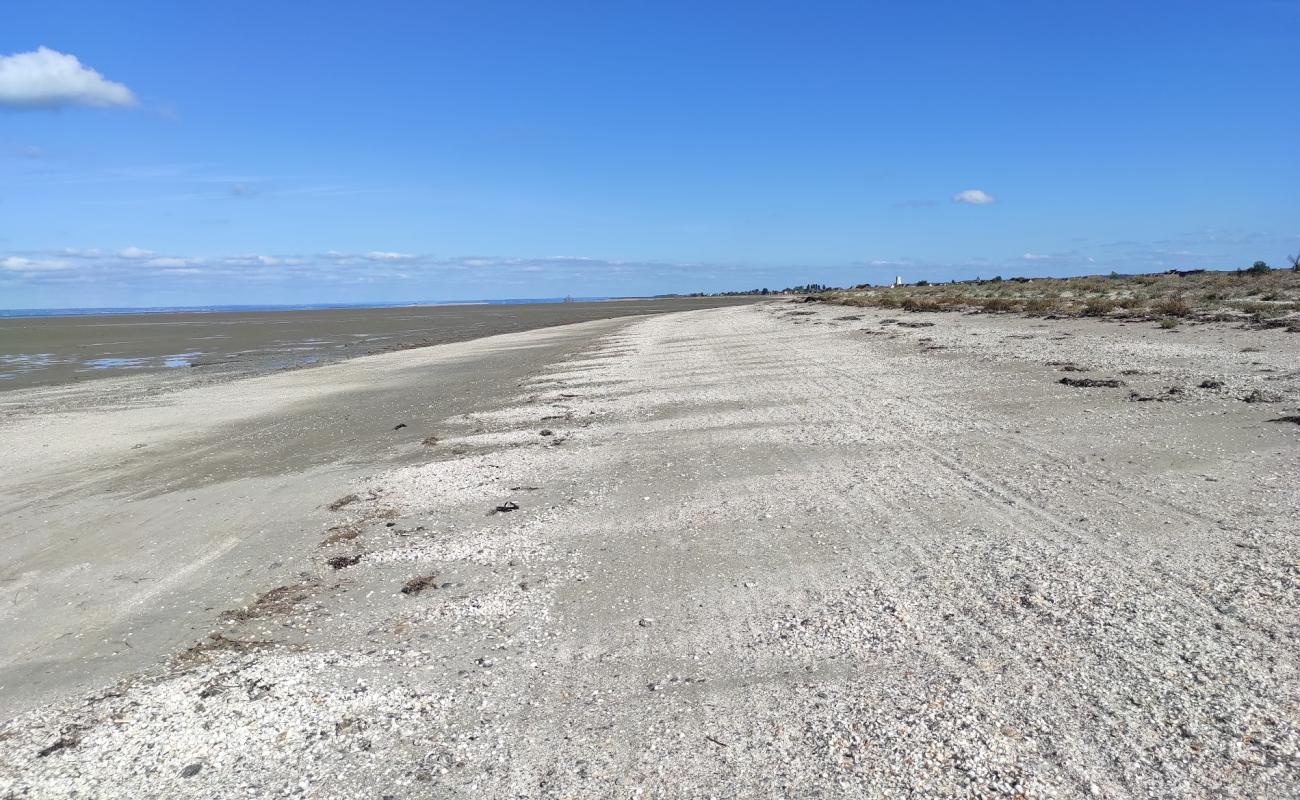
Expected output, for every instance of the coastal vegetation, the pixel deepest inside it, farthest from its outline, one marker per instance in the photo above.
(1257, 293)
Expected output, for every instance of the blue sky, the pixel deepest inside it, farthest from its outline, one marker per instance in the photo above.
(231, 152)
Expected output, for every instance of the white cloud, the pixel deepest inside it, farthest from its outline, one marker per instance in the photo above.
(977, 197)
(45, 78)
(264, 261)
(20, 264)
(1064, 258)
(135, 266)
(381, 255)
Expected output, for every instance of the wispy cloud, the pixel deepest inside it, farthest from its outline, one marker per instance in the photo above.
(135, 266)
(1058, 258)
(975, 197)
(22, 264)
(263, 261)
(391, 257)
(336, 273)
(45, 78)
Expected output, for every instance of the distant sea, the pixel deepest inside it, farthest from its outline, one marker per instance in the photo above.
(87, 312)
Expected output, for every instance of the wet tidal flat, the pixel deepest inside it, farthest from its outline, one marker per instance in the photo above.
(46, 351)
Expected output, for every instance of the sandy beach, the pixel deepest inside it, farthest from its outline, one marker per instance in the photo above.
(772, 550)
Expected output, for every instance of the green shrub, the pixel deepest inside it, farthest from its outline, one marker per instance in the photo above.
(997, 305)
(1041, 306)
(1098, 307)
(920, 304)
(1173, 307)
(1262, 310)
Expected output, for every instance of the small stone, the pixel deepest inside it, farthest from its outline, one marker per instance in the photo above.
(191, 770)
(645, 622)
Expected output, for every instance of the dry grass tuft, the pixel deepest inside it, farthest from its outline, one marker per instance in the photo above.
(1271, 297)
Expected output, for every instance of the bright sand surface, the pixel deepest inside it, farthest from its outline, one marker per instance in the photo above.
(777, 550)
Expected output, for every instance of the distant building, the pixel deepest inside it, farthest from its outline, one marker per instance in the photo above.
(898, 280)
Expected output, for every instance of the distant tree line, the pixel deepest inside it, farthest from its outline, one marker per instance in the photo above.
(808, 288)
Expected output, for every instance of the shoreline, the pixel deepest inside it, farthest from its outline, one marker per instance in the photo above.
(773, 548)
(63, 350)
(286, 307)
(109, 311)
